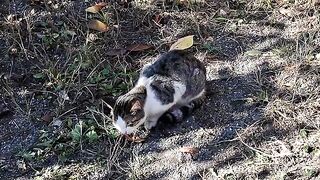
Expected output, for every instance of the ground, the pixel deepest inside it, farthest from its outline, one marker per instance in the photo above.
(59, 78)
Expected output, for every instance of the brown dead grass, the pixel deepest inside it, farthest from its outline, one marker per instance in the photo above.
(272, 46)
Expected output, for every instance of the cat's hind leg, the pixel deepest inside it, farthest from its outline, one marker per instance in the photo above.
(197, 103)
(178, 114)
(172, 116)
(193, 104)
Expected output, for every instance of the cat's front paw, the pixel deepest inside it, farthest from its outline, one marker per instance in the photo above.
(150, 124)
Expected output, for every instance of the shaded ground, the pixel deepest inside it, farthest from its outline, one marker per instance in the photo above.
(260, 121)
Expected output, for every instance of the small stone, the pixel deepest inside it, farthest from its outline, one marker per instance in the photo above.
(64, 95)
(47, 118)
(222, 12)
(21, 165)
(56, 122)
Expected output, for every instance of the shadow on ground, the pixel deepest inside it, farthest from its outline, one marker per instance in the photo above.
(244, 51)
(231, 107)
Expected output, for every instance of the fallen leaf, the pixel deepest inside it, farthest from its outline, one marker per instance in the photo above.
(98, 25)
(47, 118)
(190, 150)
(38, 75)
(135, 139)
(158, 18)
(116, 52)
(182, 43)
(96, 8)
(138, 139)
(138, 47)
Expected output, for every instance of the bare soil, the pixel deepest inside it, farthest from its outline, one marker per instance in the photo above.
(261, 118)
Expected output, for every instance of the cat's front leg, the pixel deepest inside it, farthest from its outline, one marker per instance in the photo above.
(151, 122)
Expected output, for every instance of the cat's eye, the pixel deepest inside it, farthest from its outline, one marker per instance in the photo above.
(133, 113)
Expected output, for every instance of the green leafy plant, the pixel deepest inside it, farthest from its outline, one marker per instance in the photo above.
(76, 133)
(92, 136)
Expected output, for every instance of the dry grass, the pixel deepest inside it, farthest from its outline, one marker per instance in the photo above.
(58, 81)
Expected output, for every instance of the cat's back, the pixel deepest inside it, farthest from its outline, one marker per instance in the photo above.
(176, 64)
(176, 67)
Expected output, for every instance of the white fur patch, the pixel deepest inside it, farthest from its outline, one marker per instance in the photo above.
(120, 124)
(153, 107)
(133, 129)
(142, 81)
(179, 90)
(199, 95)
(122, 127)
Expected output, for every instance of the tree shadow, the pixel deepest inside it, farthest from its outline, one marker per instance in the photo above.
(227, 112)
(234, 103)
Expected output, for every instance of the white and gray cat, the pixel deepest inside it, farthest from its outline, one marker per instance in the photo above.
(174, 81)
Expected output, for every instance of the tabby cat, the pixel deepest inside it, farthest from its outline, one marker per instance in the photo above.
(175, 80)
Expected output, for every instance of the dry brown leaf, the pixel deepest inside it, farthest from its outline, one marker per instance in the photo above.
(157, 18)
(135, 139)
(116, 52)
(98, 25)
(47, 118)
(182, 43)
(96, 8)
(190, 150)
(138, 47)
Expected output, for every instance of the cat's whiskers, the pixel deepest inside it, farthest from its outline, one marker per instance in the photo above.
(120, 124)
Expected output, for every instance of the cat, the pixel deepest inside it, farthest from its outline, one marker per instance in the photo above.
(174, 80)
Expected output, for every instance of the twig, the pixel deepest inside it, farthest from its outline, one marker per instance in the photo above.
(254, 149)
(67, 112)
(259, 151)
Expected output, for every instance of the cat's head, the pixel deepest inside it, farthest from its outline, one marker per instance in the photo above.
(128, 113)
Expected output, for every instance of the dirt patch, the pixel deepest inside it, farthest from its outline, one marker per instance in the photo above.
(58, 78)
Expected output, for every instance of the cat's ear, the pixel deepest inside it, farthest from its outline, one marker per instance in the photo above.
(136, 105)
